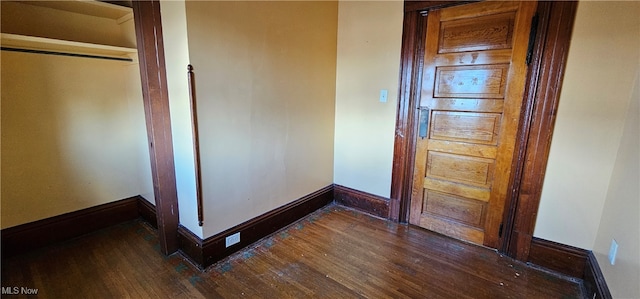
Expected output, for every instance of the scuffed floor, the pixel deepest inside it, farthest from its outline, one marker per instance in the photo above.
(333, 253)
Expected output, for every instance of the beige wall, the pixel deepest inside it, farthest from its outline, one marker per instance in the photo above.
(369, 41)
(603, 60)
(73, 129)
(621, 213)
(69, 135)
(265, 74)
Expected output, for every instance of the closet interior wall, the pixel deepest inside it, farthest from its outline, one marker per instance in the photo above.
(73, 130)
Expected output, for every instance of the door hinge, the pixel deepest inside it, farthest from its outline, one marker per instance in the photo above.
(500, 230)
(532, 38)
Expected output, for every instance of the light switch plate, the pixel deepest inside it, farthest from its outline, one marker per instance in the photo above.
(383, 95)
(613, 251)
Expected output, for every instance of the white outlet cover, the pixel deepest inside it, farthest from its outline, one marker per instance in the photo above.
(613, 251)
(233, 239)
(383, 95)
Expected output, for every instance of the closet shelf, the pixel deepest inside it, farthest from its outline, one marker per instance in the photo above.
(88, 7)
(56, 45)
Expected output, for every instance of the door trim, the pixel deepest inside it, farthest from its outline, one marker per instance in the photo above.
(155, 96)
(544, 79)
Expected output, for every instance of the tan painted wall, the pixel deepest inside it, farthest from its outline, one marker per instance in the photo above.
(265, 74)
(603, 60)
(621, 214)
(369, 41)
(73, 129)
(69, 135)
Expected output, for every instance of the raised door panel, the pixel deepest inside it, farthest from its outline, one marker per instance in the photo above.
(478, 82)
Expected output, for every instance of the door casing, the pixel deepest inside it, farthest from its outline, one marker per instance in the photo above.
(544, 79)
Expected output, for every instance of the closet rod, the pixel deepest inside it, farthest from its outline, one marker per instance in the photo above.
(64, 54)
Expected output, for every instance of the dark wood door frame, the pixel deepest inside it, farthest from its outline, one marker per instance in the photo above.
(156, 108)
(544, 80)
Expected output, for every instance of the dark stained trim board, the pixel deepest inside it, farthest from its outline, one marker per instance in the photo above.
(541, 99)
(33, 235)
(192, 246)
(594, 279)
(363, 201)
(571, 261)
(210, 250)
(410, 82)
(568, 260)
(147, 212)
(155, 97)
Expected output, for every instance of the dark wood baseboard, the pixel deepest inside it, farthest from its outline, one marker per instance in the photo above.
(33, 235)
(594, 281)
(565, 259)
(571, 261)
(206, 252)
(363, 201)
(147, 212)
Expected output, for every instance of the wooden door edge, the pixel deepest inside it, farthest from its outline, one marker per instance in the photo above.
(534, 135)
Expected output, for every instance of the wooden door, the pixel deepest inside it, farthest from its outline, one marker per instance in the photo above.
(472, 90)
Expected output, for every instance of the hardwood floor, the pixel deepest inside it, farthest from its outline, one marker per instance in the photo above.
(333, 253)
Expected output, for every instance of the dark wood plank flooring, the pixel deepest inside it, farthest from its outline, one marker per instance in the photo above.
(333, 253)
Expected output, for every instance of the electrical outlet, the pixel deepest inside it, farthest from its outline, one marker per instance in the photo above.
(233, 239)
(613, 251)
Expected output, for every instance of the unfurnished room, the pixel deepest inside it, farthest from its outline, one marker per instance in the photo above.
(320, 149)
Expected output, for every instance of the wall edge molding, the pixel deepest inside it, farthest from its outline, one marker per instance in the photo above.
(363, 201)
(33, 235)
